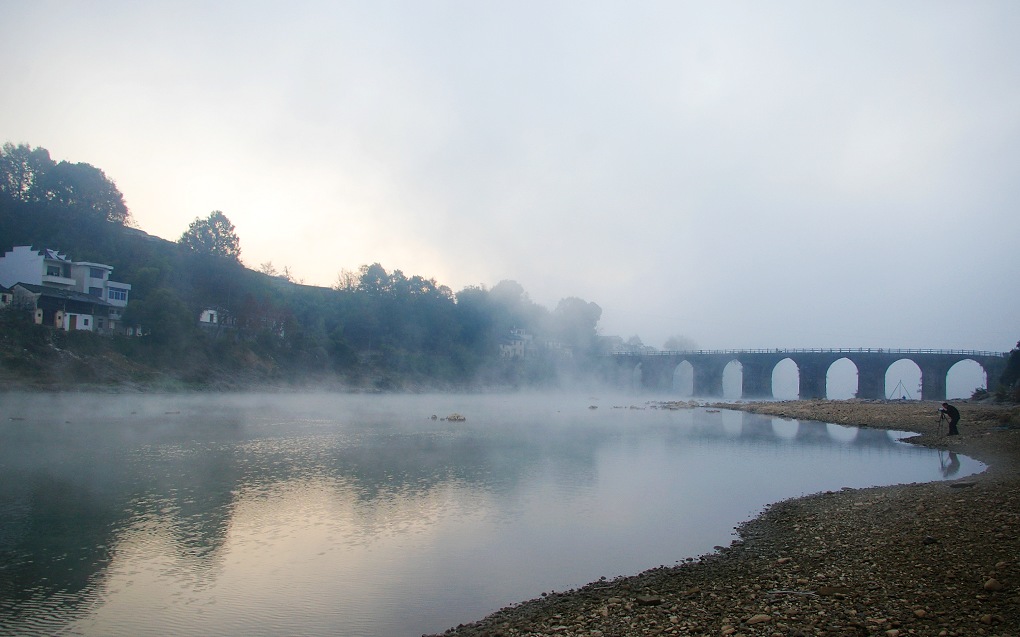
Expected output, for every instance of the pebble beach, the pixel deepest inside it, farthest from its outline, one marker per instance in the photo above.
(939, 559)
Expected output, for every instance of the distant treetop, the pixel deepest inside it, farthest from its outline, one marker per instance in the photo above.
(213, 236)
(29, 175)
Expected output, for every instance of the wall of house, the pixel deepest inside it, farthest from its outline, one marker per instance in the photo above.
(85, 282)
(25, 265)
(78, 322)
(21, 265)
(126, 287)
(81, 272)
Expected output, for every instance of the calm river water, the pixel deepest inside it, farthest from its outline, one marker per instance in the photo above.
(361, 515)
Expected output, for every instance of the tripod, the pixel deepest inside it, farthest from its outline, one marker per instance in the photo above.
(942, 419)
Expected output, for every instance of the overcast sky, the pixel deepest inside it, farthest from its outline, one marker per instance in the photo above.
(745, 174)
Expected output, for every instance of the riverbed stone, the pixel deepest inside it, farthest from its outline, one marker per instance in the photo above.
(993, 584)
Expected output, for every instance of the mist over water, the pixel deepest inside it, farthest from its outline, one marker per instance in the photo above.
(361, 515)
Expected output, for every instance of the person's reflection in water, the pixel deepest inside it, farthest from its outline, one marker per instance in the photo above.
(950, 468)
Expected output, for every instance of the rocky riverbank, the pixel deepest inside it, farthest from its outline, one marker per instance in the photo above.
(939, 559)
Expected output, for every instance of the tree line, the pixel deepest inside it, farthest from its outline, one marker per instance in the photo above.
(374, 328)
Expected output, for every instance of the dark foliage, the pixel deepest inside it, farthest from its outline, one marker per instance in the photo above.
(1010, 380)
(72, 191)
(213, 236)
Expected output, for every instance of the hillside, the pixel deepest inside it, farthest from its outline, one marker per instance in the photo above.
(377, 330)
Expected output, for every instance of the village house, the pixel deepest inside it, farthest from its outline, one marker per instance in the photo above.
(516, 344)
(64, 294)
(216, 321)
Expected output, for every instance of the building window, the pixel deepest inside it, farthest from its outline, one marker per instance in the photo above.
(96, 292)
(117, 294)
(85, 322)
(53, 270)
(97, 273)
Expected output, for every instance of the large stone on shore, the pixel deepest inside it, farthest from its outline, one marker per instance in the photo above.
(993, 585)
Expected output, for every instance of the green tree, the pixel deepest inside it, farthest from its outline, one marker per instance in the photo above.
(575, 323)
(678, 343)
(1010, 378)
(635, 344)
(29, 175)
(375, 280)
(163, 317)
(21, 169)
(346, 281)
(214, 236)
(86, 190)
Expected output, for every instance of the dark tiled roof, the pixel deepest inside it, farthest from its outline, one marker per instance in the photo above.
(57, 293)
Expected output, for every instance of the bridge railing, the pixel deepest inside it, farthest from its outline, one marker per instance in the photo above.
(848, 350)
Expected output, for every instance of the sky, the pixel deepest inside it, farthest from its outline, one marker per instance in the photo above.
(742, 174)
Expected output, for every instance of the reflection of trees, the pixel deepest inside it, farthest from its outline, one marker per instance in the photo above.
(58, 511)
(71, 494)
(55, 534)
(190, 497)
(427, 459)
(68, 492)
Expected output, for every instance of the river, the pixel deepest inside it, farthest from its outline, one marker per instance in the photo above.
(319, 514)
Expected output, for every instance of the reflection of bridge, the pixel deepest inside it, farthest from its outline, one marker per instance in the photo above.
(757, 428)
(655, 370)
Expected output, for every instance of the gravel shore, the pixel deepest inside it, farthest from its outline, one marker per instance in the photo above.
(940, 559)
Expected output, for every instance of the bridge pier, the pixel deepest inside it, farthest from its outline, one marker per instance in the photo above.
(871, 379)
(708, 380)
(812, 378)
(933, 381)
(993, 373)
(757, 379)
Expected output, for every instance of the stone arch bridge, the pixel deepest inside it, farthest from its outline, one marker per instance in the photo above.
(655, 370)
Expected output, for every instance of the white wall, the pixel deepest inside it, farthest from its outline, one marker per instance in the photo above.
(21, 265)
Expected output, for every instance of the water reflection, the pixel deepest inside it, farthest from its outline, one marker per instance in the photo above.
(755, 429)
(950, 465)
(360, 515)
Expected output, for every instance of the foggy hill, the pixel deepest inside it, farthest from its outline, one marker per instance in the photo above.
(378, 330)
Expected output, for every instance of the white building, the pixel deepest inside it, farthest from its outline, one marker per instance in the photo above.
(98, 300)
(516, 344)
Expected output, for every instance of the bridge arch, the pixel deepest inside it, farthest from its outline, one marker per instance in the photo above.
(733, 380)
(903, 380)
(768, 373)
(683, 379)
(841, 380)
(635, 377)
(786, 380)
(964, 377)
